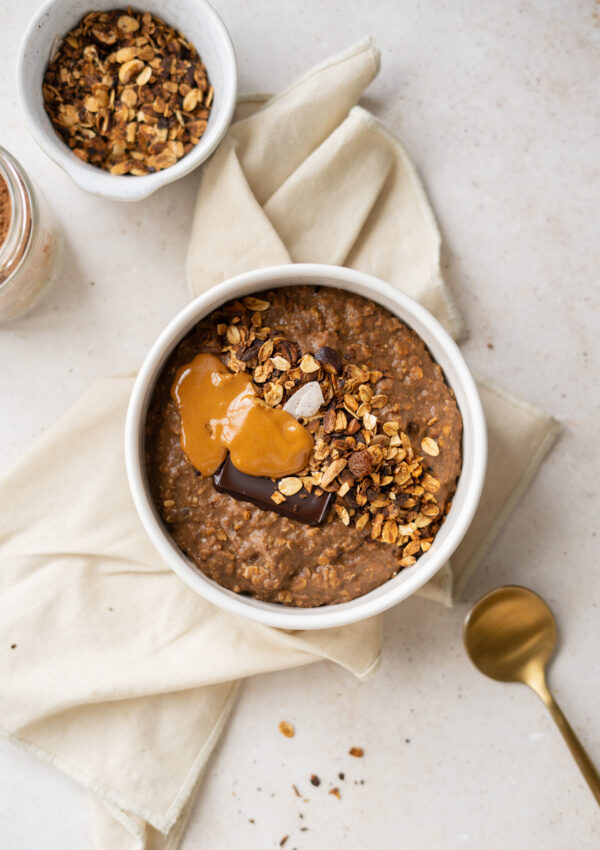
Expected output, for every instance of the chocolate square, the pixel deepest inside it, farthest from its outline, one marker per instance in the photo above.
(303, 507)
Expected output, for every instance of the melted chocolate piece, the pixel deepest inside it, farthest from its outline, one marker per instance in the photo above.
(330, 357)
(304, 507)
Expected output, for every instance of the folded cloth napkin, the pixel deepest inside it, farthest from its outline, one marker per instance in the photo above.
(131, 705)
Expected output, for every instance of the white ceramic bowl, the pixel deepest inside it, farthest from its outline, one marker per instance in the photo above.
(457, 374)
(195, 19)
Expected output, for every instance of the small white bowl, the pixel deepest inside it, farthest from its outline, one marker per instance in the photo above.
(466, 498)
(195, 19)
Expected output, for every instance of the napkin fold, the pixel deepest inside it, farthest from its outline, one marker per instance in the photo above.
(108, 666)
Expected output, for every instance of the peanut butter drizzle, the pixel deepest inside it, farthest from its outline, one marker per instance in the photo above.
(220, 412)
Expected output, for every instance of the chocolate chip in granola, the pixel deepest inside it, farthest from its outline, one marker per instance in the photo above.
(251, 351)
(329, 357)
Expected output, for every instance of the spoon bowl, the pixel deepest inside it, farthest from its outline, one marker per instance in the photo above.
(510, 636)
(508, 632)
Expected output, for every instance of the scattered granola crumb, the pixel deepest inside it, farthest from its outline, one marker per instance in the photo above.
(251, 820)
(296, 792)
(490, 345)
(341, 776)
(314, 780)
(357, 752)
(13, 646)
(336, 793)
(283, 840)
(286, 729)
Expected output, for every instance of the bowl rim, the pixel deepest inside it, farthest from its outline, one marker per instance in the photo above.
(97, 181)
(275, 614)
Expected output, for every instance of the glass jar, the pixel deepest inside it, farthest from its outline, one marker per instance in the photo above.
(29, 249)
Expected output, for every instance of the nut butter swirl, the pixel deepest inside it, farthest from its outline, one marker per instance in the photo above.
(220, 412)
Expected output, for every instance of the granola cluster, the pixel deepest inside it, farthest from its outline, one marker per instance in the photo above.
(127, 93)
(363, 457)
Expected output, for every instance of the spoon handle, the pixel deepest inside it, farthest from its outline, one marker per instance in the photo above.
(586, 766)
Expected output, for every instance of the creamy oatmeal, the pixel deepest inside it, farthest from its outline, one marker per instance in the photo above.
(387, 448)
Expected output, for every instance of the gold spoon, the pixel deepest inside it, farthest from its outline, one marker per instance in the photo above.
(510, 635)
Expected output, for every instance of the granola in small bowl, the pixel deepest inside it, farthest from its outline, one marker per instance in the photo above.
(127, 92)
(127, 100)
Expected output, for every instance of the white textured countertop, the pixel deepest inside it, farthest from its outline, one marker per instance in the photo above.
(498, 104)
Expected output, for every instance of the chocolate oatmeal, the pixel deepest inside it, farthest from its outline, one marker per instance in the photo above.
(386, 448)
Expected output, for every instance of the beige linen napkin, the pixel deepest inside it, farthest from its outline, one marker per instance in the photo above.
(107, 661)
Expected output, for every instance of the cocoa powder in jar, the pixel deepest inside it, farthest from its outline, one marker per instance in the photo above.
(5, 210)
(28, 240)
